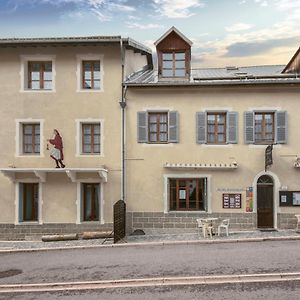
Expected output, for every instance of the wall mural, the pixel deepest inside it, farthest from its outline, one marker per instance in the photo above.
(56, 152)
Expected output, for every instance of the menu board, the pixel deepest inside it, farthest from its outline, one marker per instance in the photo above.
(232, 200)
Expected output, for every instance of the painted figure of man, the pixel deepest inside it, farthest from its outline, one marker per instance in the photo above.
(57, 152)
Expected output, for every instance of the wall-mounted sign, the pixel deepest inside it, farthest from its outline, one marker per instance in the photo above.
(232, 200)
(289, 198)
(249, 199)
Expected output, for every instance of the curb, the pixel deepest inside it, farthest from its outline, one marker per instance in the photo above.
(150, 282)
(145, 244)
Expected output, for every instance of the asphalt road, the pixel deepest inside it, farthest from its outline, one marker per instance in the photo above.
(273, 291)
(150, 261)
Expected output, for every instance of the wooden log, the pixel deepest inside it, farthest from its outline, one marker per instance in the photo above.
(59, 237)
(97, 235)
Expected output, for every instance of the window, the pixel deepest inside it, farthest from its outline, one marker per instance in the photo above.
(90, 201)
(173, 64)
(31, 138)
(158, 127)
(91, 74)
(188, 194)
(91, 138)
(264, 127)
(216, 128)
(39, 75)
(28, 202)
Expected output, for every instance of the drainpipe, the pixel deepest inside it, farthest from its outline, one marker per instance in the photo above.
(123, 107)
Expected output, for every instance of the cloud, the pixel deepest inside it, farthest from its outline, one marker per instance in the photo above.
(174, 9)
(255, 48)
(238, 27)
(143, 26)
(104, 10)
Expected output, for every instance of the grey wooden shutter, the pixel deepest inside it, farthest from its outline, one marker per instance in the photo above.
(173, 127)
(249, 127)
(142, 124)
(281, 127)
(201, 127)
(232, 127)
(20, 204)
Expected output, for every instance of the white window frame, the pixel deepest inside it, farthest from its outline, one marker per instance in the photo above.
(19, 137)
(79, 123)
(24, 72)
(101, 199)
(186, 175)
(90, 56)
(17, 198)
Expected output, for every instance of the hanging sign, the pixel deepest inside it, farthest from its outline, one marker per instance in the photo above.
(268, 156)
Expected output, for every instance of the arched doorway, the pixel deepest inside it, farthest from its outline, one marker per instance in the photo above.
(265, 203)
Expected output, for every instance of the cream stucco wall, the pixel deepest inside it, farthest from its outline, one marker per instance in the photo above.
(134, 62)
(145, 171)
(60, 109)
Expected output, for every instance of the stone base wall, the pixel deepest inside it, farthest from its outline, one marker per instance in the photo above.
(36, 231)
(184, 222)
(175, 222)
(287, 221)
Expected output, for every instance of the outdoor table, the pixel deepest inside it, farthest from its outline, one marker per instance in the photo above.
(211, 222)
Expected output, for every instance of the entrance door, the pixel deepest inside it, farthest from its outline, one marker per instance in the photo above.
(265, 215)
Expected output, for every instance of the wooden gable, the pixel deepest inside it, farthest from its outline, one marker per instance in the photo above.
(293, 67)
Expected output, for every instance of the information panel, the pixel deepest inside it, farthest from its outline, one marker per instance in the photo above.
(232, 200)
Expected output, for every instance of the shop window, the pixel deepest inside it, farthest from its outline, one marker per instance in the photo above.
(188, 194)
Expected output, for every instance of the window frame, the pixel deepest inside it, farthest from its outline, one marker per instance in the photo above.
(92, 144)
(92, 62)
(41, 75)
(198, 202)
(158, 125)
(263, 132)
(80, 58)
(33, 144)
(216, 132)
(173, 53)
(24, 72)
(19, 152)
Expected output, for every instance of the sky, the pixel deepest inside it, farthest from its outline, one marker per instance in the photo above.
(224, 32)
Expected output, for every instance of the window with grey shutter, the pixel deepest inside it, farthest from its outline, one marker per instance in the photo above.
(201, 127)
(173, 127)
(249, 127)
(281, 127)
(142, 127)
(232, 127)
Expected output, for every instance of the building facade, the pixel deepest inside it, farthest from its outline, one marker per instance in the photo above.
(73, 85)
(199, 136)
(88, 121)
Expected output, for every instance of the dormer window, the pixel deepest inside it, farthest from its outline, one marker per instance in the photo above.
(174, 56)
(173, 64)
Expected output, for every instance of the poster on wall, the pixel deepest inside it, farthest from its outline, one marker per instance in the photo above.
(249, 199)
(232, 201)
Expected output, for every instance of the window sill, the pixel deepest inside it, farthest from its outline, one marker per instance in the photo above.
(264, 145)
(217, 145)
(188, 211)
(89, 91)
(90, 155)
(29, 223)
(30, 155)
(159, 144)
(38, 91)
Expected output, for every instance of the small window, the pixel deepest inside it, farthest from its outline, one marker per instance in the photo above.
(31, 138)
(91, 74)
(158, 127)
(216, 128)
(173, 64)
(264, 128)
(90, 202)
(29, 201)
(91, 138)
(187, 194)
(40, 75)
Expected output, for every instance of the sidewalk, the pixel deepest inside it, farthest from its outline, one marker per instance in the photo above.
(7, 246)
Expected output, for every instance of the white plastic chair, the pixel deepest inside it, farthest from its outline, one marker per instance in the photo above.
(206, 229)
(298, 221)
(224, 224)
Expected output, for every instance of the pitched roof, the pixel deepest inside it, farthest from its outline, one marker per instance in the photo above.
(291, 61)
(173, 29)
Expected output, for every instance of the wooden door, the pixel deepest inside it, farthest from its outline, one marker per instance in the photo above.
(265, 203)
